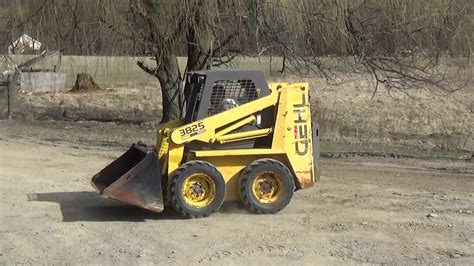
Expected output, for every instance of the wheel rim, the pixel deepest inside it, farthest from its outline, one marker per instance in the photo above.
(268, 187)
(198, 190)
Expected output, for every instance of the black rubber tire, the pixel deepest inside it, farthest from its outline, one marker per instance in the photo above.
(177, 200)
(251, 172)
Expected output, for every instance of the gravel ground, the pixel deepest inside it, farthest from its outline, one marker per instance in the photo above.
(365, 210)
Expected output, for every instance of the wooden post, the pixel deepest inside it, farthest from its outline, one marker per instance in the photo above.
(9, 89)
(271, 57)
(12, 90)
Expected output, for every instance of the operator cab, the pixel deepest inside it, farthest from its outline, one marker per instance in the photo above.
(211, 92)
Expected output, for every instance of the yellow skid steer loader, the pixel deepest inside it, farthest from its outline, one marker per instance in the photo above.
(240, 138)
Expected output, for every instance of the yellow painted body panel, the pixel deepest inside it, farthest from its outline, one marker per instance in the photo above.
(211, 124)
(291, 143)
(216, 153)
(244, 135)
(230, 170)
(293, 132)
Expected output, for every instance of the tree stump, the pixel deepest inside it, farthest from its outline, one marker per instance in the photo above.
(84, 83)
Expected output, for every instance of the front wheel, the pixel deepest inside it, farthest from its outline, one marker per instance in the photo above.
(266, 186)
(197, 189)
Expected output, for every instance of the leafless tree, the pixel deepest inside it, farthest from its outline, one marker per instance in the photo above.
(69, 25)
(402, 43)
(399, 42)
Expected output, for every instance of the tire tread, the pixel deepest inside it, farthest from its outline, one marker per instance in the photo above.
(176, 202)
(244, 180)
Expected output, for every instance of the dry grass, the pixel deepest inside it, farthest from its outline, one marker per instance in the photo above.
(347, 113)
(122, 71)
(344, 108)
(118, 104)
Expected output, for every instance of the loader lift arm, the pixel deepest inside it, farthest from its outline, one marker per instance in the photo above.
(215, 128)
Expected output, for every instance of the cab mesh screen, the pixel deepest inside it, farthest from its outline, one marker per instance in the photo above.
(227, 94)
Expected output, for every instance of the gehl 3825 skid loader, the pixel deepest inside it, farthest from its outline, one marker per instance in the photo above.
(239, 139)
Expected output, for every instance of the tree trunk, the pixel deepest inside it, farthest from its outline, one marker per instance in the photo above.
(85, 82)
(168, 74)
(199, 56)
(199, 52)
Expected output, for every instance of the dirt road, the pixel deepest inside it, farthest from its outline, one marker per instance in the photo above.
(364, 210)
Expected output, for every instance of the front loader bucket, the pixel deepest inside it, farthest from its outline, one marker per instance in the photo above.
(133, 178)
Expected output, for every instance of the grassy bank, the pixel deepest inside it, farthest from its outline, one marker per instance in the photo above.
(116, 135)
(422, 123)
(122, 71)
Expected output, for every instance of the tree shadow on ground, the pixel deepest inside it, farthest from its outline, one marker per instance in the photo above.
(89, 206)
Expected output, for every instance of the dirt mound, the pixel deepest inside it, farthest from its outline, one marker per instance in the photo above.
(85, 83)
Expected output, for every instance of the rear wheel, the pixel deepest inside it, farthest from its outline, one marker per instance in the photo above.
(266, 186)
(197, 189)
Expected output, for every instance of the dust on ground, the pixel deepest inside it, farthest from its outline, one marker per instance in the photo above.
(364, 210)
